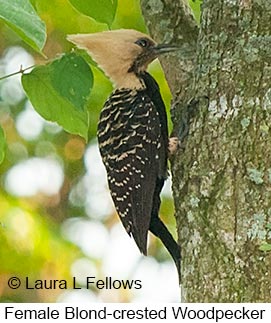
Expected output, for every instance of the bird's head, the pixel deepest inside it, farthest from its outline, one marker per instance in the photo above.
(122, 54)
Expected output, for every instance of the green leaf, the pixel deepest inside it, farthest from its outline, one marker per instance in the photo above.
(2, 145)
(59, 92)
(265, 247)
(72, 78)
(196, 8)
(100, 10)
(22, 18)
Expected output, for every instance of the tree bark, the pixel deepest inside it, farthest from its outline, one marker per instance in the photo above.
(222, 172)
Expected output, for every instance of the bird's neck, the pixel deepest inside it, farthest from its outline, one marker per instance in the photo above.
(130, 81)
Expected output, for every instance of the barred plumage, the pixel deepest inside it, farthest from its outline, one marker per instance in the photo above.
(132, 132)
(134, 153)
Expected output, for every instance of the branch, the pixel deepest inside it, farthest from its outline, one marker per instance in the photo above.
(21, 71)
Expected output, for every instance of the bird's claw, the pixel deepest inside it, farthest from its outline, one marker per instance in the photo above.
(173, 145)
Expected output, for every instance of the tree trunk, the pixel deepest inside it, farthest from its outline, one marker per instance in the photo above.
(222, 172)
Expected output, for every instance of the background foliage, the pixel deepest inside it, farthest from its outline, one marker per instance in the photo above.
(56, 217)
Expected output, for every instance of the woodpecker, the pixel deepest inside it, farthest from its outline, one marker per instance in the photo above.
(133, 131)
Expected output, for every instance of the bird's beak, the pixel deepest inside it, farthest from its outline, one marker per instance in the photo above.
(164, 48)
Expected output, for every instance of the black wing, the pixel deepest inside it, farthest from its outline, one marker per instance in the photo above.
(129, 135)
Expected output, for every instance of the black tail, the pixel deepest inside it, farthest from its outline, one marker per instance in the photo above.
(158, 228)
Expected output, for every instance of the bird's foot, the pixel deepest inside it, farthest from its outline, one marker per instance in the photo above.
(173, 145)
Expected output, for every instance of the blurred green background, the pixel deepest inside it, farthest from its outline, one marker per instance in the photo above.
(56, 216)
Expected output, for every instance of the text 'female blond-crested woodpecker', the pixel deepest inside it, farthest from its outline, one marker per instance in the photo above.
(132, 131)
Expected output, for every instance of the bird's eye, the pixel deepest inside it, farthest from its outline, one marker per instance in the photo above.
(143, 42)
